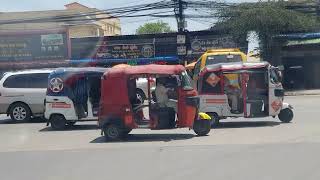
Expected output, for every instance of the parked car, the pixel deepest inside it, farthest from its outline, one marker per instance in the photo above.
(22, 93)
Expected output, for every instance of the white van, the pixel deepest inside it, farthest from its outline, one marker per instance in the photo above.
(22, 93)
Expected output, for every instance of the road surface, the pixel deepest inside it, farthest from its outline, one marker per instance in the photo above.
(242, 149)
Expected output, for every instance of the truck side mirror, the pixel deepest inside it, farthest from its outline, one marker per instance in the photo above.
(279, 92)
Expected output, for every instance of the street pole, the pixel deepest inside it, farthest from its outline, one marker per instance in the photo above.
(181, 36)
(179, 13)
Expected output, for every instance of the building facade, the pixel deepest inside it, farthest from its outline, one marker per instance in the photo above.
(87, 27)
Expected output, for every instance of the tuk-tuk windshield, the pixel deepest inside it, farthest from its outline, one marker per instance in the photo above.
(186, 81)
(275, 76)
(214, 59)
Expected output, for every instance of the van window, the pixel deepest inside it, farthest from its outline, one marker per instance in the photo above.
(37, 80)
(15, 81)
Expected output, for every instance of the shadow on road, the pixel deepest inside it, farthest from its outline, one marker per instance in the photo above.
(72, 128)
(247, 124)
(147, 138)
(33, 120)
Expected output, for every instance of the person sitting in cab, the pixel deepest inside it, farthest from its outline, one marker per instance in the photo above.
(232, 89)
(162, 93)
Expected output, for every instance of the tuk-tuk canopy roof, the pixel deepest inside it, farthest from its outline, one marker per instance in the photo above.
(236, 66)
(146, 69)
(69, 72)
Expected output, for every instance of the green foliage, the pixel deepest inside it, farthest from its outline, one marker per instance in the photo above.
(267, 19)
(154, 28)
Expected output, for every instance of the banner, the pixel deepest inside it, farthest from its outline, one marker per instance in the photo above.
(33, 47)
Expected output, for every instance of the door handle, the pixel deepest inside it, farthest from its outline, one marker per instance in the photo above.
(56, 99)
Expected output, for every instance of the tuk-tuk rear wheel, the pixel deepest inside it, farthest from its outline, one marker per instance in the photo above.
(202, 127)
(112, 132)
(58, 122)
(286, 115)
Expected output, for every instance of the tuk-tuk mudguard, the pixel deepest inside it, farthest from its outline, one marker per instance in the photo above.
(286, 105)
(204, 116)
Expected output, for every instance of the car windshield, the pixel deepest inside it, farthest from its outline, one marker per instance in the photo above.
(214, 59)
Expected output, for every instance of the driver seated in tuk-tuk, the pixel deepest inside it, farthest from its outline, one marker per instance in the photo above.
(162, 93)
(232, 89)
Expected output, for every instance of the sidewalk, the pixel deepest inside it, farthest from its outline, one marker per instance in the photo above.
(303, 92)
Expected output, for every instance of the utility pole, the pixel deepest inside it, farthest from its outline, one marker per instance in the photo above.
(179, 13)
(179, 6)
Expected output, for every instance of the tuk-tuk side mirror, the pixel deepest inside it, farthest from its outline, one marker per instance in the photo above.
(279, 92)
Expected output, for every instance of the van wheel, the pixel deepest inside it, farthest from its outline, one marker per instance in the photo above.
(20, 112)
(286, 115)
(71, 123)
(112, 132)
(202, 127)
(58, 122)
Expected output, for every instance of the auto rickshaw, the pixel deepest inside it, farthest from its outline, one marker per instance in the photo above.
(120, 111)
(73, 94)
(257, 92)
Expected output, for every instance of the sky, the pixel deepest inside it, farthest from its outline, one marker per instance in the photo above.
(128, 26)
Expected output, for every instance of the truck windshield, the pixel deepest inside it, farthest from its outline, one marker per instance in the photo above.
(214, 59)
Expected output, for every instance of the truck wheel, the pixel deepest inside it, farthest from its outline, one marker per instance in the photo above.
(201, 127)
(215, 119)
(112, 132)
(20, 112)
(286, 115)
(58, 122)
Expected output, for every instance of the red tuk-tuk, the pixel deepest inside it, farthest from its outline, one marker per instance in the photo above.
(120, 112)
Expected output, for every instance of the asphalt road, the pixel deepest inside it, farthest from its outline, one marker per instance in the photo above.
(241, 149)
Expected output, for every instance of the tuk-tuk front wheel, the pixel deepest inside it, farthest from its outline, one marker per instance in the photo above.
(112, 132)
(215, 119)
(202, 127)
(286, 115)
(58, 122)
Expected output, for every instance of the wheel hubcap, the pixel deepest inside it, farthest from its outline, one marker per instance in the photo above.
(19, 113)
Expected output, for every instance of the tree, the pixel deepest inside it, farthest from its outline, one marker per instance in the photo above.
(267, 19)
(154, 28)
